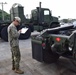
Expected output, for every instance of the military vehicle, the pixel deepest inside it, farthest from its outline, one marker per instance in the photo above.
(50, 44)
(41, 18)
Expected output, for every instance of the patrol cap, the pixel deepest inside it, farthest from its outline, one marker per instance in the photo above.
(18, 19)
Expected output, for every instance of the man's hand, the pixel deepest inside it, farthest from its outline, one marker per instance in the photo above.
(19, 31)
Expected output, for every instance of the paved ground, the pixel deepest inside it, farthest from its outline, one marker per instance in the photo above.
(29, 65)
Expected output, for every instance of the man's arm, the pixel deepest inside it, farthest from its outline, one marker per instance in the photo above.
(15, 33)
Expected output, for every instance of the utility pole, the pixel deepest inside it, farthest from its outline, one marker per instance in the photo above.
(2, 3)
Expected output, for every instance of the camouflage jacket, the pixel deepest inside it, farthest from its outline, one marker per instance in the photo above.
(13, 35)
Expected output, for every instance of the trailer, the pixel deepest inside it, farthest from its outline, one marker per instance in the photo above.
(50, 44)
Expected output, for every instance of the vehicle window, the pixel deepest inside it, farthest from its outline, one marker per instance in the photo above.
(46, 12)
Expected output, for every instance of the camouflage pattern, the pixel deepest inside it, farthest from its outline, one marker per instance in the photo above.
(13, 36)
(15, 56)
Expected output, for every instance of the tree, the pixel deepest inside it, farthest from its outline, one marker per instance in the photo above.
(6, 15)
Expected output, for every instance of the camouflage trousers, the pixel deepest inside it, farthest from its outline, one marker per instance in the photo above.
(15, 57)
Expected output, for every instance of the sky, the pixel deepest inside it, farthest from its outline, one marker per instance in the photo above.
(63, 8)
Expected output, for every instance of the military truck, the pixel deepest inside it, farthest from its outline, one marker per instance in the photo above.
(16, 10)
(41, 18)
(50, 44)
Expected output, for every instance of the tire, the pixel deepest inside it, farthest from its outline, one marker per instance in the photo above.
(49, 56)
(1, 27)
(26, 35)
(4, 34)
(31, 28)
(0, 30)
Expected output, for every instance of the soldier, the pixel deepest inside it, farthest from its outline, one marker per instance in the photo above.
(13, 36)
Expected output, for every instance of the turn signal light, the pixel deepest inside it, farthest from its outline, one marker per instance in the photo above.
(58, 39)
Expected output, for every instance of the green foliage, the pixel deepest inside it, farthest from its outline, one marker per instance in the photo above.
(6, 15)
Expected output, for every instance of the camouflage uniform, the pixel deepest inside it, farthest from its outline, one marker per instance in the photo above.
(13, 36)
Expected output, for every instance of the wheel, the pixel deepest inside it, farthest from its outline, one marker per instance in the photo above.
(25, 35)
(31, 28)
(1, 27)
(4, 34)
(0, 30)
